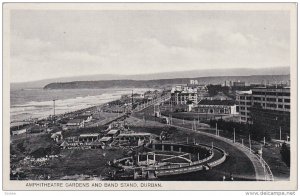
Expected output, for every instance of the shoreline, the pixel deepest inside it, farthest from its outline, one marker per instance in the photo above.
(112, 96)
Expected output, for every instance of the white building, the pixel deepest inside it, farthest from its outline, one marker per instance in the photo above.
(244, 101)
(224, 107)
(75, 123)
(267, 98)
(194, 82)
(183, 95)
(18, 132)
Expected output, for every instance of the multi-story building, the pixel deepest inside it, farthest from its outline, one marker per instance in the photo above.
(244, 101)
(268, 107)
(272, 98)
(182, 95)
(271, 110)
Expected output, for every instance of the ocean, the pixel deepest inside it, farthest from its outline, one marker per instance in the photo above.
(38, 103)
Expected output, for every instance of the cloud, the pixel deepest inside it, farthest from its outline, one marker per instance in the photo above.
(72, 44)
(20, 45)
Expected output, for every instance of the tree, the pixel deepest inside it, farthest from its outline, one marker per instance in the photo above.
(285, 154)
(215, 89)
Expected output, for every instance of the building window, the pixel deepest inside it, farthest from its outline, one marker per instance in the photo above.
(258, 93)
(271, 105)
(271, 99)
(279, 100)
(287, 100)
(287, 107)
(257, 103)
(280, 106)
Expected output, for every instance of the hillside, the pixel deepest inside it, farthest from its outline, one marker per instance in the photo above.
(164, 82)
(157, 76)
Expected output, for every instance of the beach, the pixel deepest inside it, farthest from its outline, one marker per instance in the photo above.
(38, 103)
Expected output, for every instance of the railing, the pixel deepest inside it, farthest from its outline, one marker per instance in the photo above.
(267, 171)
(212, 164)
(204, 160)
(179, 170)
(217, 162)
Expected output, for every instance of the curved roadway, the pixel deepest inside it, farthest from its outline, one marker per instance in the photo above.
(262, 170)
(259, 169)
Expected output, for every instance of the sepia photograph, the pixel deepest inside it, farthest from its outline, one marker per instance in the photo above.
(162, 96)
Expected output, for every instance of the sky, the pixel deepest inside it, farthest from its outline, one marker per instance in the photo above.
(51, 44)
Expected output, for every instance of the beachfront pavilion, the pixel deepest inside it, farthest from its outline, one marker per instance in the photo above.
(90, 137)
(133, 136)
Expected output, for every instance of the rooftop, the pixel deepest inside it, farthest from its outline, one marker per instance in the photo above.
(75, 121)
(244, 92)
(35, 127)
(83, 116)
(135, 134)
(113, 131)
(216, 102)
(105, 139)
(272, 88)
(64, 144)
(89, 135)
